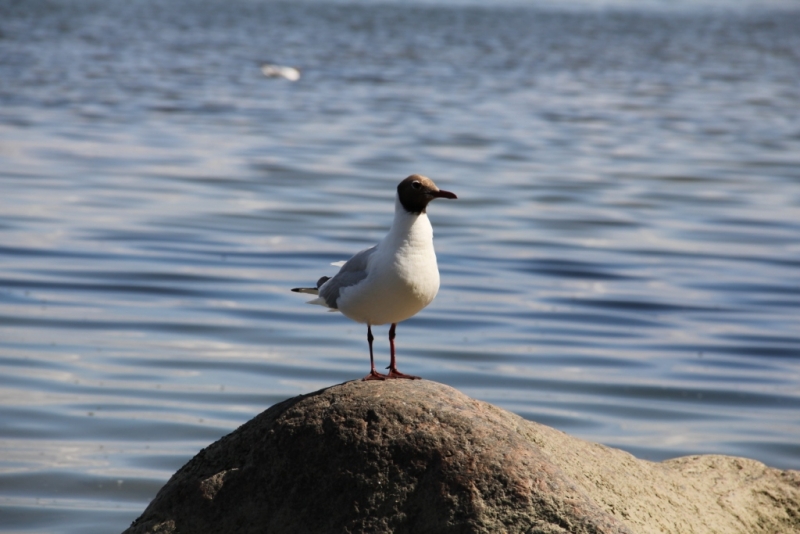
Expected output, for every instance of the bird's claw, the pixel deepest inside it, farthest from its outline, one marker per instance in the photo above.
(394, 373)
(374, 375)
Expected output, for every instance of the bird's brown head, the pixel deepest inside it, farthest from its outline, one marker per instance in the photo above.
(416, 191)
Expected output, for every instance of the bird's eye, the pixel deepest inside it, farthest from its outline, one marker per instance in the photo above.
(415, 184)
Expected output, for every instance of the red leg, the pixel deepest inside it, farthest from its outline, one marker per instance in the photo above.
(393, 372)
(373, 374)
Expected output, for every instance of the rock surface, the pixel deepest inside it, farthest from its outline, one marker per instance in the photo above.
(417, 456)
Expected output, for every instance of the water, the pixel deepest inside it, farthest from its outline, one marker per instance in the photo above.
(623, 262)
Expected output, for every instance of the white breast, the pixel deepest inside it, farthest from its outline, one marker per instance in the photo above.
(403, 276)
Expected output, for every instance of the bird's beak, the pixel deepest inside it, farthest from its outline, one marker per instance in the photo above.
(441, 193)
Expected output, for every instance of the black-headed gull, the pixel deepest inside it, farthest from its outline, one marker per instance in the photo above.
(393, 280)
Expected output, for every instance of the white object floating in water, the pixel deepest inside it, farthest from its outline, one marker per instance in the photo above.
(280, 71)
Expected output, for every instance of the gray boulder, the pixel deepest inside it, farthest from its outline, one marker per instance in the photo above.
(417, 456)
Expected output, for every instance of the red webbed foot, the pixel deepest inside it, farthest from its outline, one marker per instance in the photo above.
(394, 373)
(375, 375)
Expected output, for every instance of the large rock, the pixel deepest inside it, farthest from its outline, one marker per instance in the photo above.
(416, 457)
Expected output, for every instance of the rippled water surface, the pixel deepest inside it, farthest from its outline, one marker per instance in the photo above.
(623, 262)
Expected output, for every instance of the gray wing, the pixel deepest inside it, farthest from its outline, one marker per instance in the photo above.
(350, 274)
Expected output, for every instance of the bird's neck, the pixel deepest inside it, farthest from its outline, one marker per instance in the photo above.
(409, 228)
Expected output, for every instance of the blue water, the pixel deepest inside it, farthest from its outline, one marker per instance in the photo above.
(623, 262)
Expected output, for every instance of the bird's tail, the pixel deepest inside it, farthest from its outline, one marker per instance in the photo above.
(309, 290)
(312, 290)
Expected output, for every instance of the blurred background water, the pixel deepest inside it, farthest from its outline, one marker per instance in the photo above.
(623, 262)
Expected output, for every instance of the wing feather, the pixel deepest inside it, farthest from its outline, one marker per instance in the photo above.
(352, 272)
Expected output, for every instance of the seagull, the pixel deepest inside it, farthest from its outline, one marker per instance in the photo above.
(393, 280)
(280, 71)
